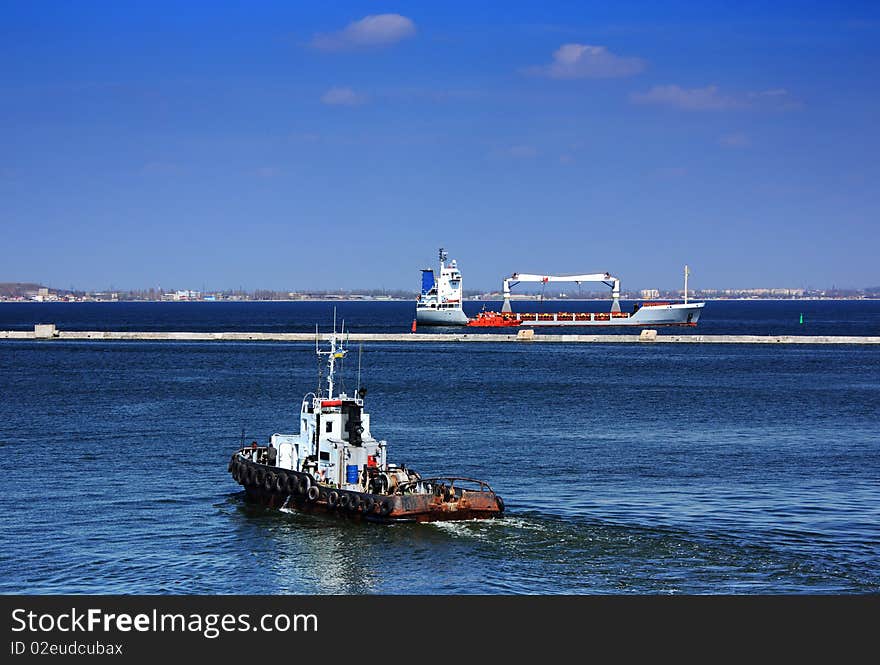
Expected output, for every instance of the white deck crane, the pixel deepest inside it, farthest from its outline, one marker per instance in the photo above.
(604, 277)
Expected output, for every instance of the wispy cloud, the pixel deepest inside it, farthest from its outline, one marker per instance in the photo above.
(343, 97)
(778, 98)
(433, 95)
(369, 32)
(711, 98)
(737, 140)
(576, 61)
(521, 151)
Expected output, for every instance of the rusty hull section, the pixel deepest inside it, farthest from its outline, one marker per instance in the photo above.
(298, 491)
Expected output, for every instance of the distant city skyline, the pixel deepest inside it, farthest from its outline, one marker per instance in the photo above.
(17, 292)
(321, 147)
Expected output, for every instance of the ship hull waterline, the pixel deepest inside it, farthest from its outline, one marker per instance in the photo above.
(427, 316)
(649, 315)
(359, 506)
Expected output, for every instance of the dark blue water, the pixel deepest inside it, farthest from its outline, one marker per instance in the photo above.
(625, 469)
(725, 317)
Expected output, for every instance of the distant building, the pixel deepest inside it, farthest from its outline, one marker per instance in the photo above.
(182, 295)
(43, 295)
(649, 294)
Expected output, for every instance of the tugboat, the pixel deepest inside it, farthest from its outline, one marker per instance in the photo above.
(335, 466)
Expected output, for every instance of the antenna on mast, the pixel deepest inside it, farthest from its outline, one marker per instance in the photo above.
(357, 392)
(318, 353)
(341, 355)
(687, 272)
(333, 355)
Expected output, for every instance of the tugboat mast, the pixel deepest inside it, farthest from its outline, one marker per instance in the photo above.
(332, 355)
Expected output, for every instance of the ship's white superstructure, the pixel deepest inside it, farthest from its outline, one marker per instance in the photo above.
(439, 302)
(334, 444)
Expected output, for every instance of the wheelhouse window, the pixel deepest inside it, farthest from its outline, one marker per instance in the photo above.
(329, 426)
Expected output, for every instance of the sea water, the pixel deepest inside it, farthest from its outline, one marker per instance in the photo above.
(624, 468)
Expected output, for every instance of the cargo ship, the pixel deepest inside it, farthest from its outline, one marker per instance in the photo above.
(642, 315)
(439, 302)
(335, 466)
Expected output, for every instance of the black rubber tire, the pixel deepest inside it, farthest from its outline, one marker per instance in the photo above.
(333, 499)
(281, 483)
(258, 477)
(367, 505)
(231, 464)
(500, 503)
(343, 500)
(249, 475)
(313, 493)
(291, 484)
(386, 507)
(269, 481)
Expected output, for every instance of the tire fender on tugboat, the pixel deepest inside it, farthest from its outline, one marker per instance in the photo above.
(312, 493)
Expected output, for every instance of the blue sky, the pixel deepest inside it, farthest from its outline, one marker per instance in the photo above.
(293, 146)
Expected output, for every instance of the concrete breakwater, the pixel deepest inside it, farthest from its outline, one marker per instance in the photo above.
(50, 332)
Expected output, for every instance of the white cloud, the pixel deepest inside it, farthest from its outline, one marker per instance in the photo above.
(369, 32)
(776, 93)
(778, 98)
(342, 97)
(575, 61)
(710, 98)
(688, 99)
